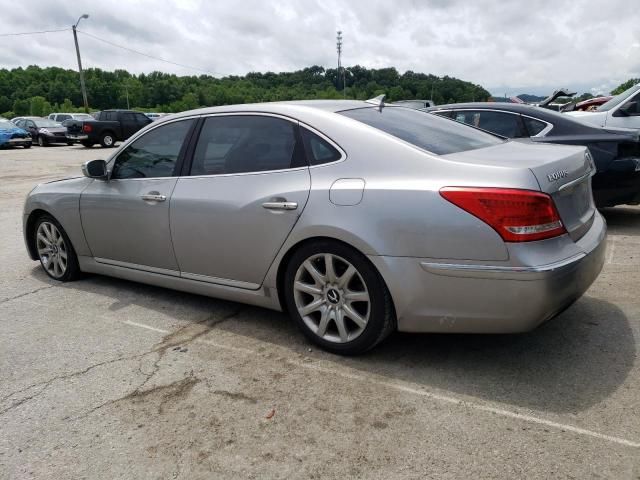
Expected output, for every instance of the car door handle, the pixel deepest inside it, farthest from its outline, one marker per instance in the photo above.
(280, 205)
(154, 197)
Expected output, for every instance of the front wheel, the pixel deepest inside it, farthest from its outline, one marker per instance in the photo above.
(56, 254)
(42, 142)
(337, 298)
(87, 144)
(27, 145)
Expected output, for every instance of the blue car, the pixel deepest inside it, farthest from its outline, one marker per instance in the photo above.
(10, 135)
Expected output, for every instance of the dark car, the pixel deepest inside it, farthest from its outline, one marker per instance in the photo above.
(12, 136)
(109, 127)
(44, 131)
(615, 153)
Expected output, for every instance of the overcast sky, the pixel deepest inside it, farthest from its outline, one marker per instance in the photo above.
(506, 46)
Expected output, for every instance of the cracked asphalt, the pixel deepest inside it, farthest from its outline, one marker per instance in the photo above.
(105, 379)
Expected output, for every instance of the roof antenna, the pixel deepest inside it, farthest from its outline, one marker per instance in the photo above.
(377, 101)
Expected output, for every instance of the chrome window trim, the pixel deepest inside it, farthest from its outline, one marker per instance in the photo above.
(143, 131)
(542, 133)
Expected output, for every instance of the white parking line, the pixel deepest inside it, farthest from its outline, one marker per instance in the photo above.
(402, 387)
(611, 247)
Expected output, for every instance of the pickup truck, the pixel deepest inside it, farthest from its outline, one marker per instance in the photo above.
(109, 127)
(622, 112)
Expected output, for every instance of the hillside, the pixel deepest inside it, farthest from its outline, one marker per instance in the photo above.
(38, 91)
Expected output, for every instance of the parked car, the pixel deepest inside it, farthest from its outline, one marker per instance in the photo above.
(355, 217)
(155, 116)
(109, 127)
(44, 131)
(616, 154)
(61, 117)
(586, 105)
(621, 112)
(13, 136)
(417, 104)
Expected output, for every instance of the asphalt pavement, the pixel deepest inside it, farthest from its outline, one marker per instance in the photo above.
(103, 379)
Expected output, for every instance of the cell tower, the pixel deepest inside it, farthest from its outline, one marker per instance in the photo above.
(339, 50)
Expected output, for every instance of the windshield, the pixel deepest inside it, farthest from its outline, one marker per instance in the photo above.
(45, 122)
(430, 132)
(618, 99)
(5, 124)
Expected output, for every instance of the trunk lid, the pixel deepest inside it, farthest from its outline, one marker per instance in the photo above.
(562, 171)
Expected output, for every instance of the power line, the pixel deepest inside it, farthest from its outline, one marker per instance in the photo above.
(33, 33)
(146, 55)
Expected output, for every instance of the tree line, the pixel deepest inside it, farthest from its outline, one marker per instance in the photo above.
(40, 91)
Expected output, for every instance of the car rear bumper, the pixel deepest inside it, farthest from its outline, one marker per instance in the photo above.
(433, 296)
(78, 137)
(17, 142)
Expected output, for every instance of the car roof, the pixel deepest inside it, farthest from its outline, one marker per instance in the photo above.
(283, 107)
(562, 124)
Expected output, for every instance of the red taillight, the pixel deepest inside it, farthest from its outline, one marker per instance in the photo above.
(517, 215)
(86, 128)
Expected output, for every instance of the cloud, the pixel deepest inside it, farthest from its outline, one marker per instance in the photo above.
(505, 46)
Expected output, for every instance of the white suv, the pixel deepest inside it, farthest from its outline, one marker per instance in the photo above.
(61, 117)
(621, 112)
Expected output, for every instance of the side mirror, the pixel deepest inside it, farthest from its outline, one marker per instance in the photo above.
(95, 169)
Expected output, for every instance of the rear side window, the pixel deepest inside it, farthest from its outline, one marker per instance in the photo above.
(534, 126)
(246, 143)
(154, 154)
(501, 123)
(430, 132)
(319, 151)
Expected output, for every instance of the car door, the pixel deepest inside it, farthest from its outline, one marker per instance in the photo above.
(30, 126)
(126, 218)
(247, 186)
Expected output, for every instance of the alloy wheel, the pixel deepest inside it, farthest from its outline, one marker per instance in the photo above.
(332, 298)
(52, 249)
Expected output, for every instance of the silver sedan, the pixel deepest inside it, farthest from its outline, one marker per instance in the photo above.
(355, 217)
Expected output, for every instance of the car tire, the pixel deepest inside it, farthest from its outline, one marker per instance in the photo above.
(69, 144)
(52, 246)
(107, 140)
(346, 309)
(27, 145)
(87, 144)
(42, 142)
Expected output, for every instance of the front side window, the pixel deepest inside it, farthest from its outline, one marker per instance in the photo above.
(245, 143)
(154, 154)
(429, 132)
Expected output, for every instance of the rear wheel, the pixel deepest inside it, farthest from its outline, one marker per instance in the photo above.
(87, 144)
(69, 144)
(338, 298)
(27, 145)
(107, 140)
(56, 254)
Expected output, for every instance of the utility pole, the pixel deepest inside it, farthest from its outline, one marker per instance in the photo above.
(82, 86)
(344, 78)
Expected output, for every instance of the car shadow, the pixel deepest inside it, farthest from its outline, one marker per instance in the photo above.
(622, 220)
(566, 365)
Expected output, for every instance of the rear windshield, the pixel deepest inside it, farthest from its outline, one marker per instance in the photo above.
(430, 132)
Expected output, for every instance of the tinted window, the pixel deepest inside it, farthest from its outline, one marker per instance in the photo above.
(142, 119)
(506, 124)
(534, 126)
(154, 154)
(319, 151)
(244, 143)
(431, 132)
(61, 118)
